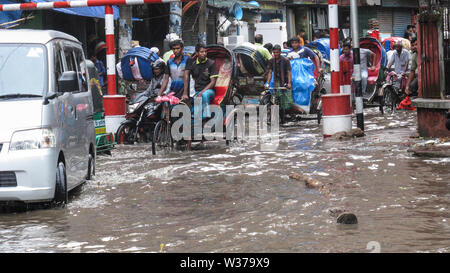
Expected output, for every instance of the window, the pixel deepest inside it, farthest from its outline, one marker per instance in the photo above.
(70, 61)
(58, 68)
(75, 62)
(81, 68)
(23, 69)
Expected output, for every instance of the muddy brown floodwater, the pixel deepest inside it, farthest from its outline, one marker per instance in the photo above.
(241, 199)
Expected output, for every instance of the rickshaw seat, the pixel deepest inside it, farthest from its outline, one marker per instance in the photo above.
(223, 81)
(373, 75)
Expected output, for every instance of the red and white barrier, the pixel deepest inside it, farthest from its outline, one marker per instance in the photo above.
(336, 114)
(115, 111)
(336, 110)
(115, 105)
(78, 3)
(334, 45)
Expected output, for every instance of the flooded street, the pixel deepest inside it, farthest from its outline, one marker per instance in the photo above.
(241, 199)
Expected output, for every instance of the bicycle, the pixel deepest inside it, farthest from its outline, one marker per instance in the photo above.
(273, 98)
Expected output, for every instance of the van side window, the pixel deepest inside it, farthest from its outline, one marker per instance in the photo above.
(69, 60)
(81, 69)
(58, 66)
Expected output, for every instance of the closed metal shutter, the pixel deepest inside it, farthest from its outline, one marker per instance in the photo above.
(402, 18)
(384, 17)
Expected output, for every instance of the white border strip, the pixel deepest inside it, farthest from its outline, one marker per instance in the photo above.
(334, 60)
(333, 16)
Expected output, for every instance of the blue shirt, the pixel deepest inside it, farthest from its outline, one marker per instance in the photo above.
(176, 73)
(101, 69)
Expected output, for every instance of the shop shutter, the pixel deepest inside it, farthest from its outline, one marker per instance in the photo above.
(384, 17)
(402, 18)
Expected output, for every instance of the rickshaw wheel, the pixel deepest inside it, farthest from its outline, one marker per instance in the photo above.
(162, 140)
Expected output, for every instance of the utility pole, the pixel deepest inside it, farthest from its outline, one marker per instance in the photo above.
(357, 65)
(202, 22)
(125, 30)
(175, 18)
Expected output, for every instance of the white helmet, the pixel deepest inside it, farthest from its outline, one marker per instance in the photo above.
(172, 37)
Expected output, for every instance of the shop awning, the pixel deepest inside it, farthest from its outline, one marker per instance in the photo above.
(96, 12)
(226, 4)
(8, 16)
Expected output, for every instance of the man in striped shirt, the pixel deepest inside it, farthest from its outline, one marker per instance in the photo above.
(176, 71)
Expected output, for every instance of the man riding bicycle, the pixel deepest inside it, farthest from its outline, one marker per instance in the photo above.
(176, 71)
(400, 59)
(281, 68)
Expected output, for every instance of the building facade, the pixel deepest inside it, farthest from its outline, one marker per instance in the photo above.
(392, 15)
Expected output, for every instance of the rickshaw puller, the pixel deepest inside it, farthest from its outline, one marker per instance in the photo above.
(400, 59)
(365, 54)
(176, 71)
(303, 52)
(281, 68)
(204, 73)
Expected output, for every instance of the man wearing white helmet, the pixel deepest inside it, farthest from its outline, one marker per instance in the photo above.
(169, 54)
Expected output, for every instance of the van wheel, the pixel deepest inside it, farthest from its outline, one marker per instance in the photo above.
(61, 196)
(91, 167)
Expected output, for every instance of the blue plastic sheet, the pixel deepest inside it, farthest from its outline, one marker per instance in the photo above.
(97, 12)
(145, 57)
(323, 45)
(302, 81)
(8, 16)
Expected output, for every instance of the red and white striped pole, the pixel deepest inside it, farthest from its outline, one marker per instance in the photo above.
(336, 110)
(334, 45)
(110, 50)
(115, 105)
(81, 3)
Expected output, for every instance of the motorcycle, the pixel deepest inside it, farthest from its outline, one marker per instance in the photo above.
(140, 122)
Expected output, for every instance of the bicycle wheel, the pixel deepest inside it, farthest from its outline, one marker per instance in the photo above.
(162, 139)
(267, 101)
(389, 100)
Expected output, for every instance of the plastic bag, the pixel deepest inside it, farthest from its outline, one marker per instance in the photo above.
(302, 82)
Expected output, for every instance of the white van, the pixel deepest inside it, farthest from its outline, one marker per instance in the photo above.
(47, 132)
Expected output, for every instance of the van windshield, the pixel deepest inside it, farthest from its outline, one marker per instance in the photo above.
(22, 70)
